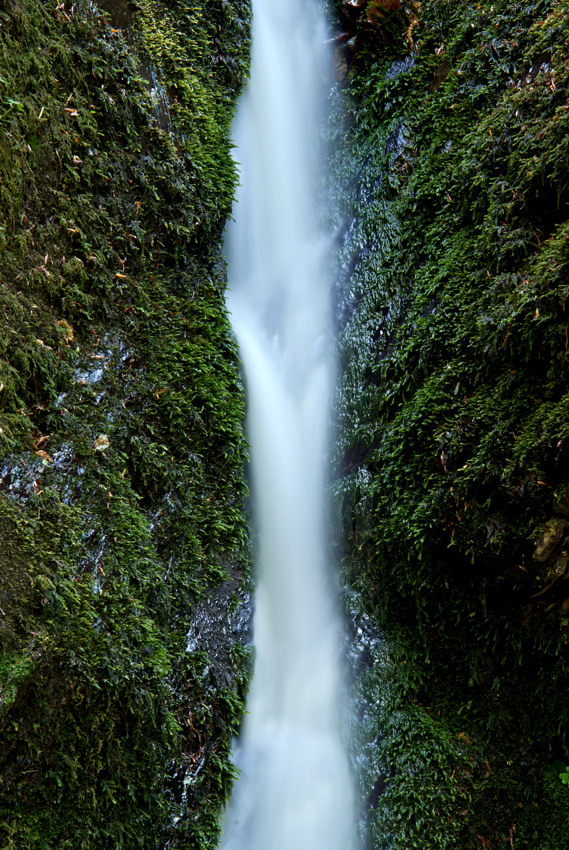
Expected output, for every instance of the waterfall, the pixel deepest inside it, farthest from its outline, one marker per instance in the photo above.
(294, 792)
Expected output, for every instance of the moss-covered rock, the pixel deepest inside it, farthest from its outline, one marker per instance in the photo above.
(121, 409)
(453, 225)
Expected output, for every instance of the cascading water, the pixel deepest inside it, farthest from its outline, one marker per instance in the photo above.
(294, 792)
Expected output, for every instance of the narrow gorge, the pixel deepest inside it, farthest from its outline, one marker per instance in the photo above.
(432, 222)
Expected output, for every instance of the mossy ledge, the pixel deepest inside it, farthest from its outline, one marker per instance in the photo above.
(121, 408)
(449, 147)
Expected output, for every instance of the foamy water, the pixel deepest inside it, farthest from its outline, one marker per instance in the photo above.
(295, 789)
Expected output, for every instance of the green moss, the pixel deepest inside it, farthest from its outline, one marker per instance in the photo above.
(453, 406)
(121, 409)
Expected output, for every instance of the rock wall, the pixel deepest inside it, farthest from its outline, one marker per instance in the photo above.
(121, 407)
(449, 150)
(123, 544)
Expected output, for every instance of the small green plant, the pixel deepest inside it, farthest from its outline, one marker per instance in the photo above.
(12, 104)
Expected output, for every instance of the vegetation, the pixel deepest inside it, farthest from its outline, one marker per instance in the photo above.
(121, 410)
(122, 449)
(453, 223)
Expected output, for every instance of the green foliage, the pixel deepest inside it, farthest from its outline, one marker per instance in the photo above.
(416, 775)
(122, 447)
(452, 457)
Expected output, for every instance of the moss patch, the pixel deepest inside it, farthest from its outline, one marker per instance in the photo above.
(121, 412)
(452, 456)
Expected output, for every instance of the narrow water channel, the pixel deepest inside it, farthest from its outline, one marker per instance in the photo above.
(294, 792)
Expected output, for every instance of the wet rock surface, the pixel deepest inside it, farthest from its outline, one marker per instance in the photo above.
(217, 623)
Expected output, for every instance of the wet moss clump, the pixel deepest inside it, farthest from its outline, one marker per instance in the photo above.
(121, 407)
(452, 463)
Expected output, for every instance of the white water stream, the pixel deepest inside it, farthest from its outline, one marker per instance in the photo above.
(295, 790)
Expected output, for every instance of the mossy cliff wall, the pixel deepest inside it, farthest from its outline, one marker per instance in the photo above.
(450, 145)
(120, 415)
(121, 440)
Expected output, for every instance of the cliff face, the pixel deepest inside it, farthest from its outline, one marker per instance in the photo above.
(122, 537)
(450, 139)
(121, 440)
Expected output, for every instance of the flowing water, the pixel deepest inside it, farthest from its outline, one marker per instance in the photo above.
(294, 792)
